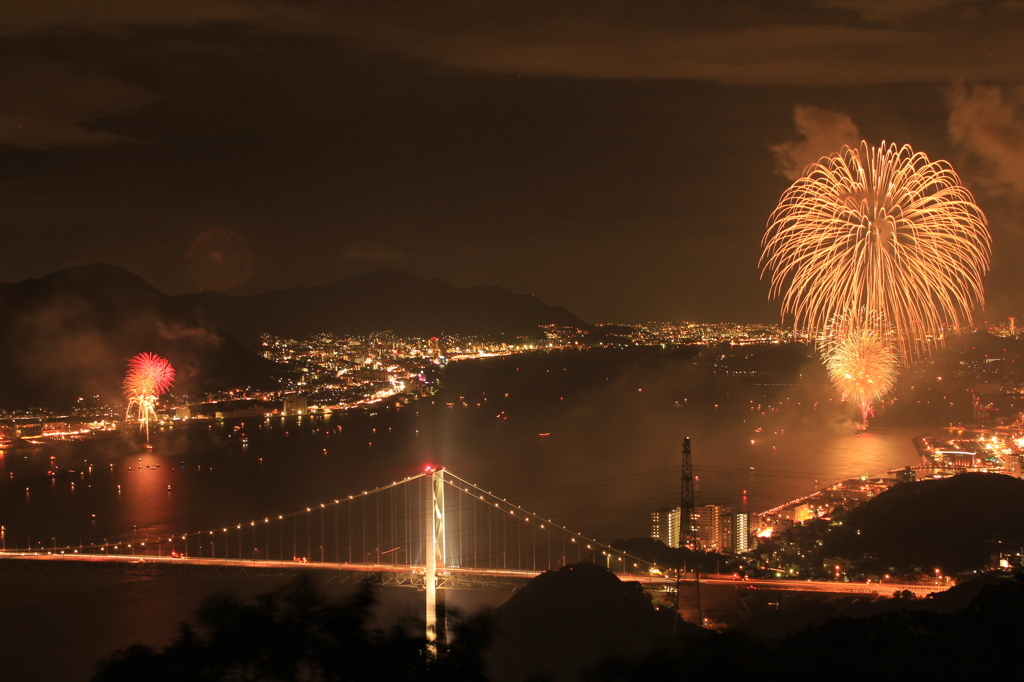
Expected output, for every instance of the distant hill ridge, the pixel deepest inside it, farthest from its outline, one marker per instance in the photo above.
(386, 300)
(71, 333)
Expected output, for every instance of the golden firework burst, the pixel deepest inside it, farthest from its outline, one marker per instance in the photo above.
(881, 229)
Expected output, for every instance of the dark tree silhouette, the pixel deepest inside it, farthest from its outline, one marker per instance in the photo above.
(978, 642)
(293, 633)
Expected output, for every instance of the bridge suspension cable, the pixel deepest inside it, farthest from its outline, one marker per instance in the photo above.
(384, 526)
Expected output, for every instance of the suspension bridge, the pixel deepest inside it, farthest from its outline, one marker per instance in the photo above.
(434, 530)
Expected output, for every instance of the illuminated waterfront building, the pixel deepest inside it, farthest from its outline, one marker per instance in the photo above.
(665, 526)
(718, 528)
(295, 404)
(906, 475)
(741, 532)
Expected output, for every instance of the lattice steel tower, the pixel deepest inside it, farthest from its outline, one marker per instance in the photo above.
(688, 538)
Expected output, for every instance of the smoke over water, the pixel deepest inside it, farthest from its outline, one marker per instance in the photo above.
(69, 349)
(595, 438)
(70, 334)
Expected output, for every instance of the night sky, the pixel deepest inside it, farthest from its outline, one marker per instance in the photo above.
(620, 159)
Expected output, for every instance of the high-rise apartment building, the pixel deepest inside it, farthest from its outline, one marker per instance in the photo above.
(741, 532)
(665, 526)
(719, 528)
(714, 529)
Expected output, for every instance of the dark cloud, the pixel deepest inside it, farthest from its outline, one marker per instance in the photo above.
(609, 157)
(888, 11)
(27, 17)
(48, 104)
(735, 43)
(775, 55)
(738, 43)
(374, 253)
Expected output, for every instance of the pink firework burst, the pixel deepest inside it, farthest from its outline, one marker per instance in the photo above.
(148, 375)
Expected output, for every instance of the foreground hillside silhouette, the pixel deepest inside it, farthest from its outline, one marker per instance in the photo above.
(578, 623)
(954, 524)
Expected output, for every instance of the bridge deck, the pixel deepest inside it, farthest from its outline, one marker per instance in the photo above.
(456, 577)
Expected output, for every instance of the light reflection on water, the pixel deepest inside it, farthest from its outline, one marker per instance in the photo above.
(147, 497)
(611, 456)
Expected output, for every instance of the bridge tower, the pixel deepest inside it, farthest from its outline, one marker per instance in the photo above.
(435, 554)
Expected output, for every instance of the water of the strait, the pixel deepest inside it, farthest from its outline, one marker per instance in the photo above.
(591, 440)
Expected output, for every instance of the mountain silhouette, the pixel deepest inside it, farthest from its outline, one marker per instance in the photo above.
(70, 334)
(386, 300)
